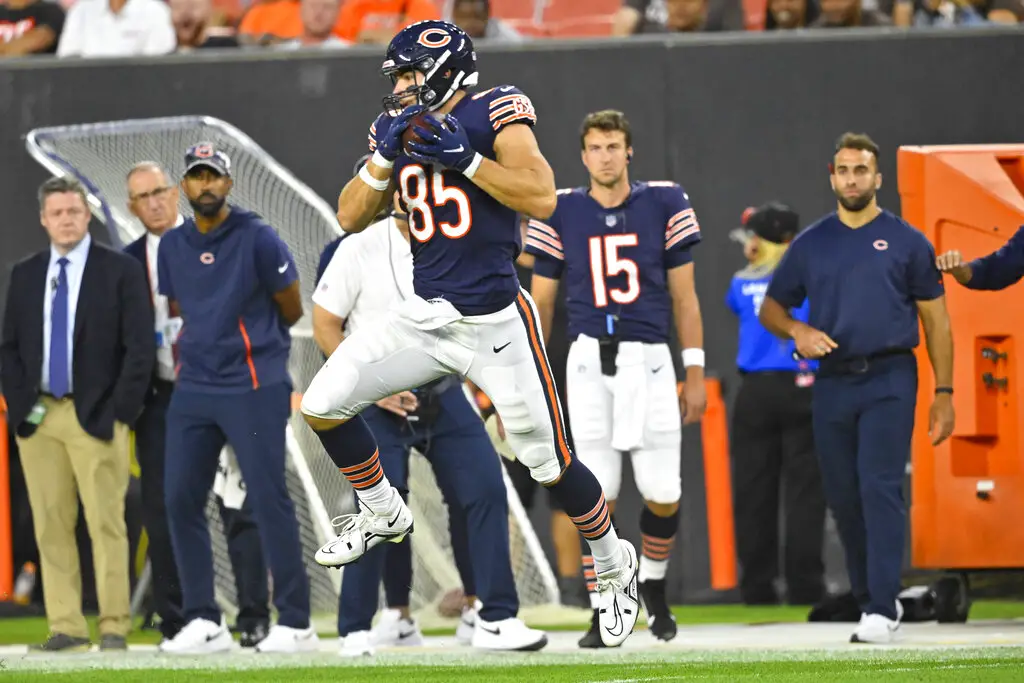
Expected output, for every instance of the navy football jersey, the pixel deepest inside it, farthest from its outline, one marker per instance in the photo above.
(615, 260)
(464, 242)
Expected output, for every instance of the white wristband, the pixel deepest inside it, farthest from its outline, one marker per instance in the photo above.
(379, 185)
(693, 357)
(380, 161)
(473, 166)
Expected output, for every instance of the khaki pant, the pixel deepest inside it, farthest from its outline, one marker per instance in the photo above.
(62, 462)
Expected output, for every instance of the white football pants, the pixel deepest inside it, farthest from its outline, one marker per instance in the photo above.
(635, 411)
(420, 341)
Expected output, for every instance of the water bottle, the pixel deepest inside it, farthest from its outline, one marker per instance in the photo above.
(25, 584)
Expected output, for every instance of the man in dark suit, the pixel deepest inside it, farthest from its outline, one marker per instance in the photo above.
(75, 362)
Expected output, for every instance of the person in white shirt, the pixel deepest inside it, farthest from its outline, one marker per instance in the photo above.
(117, 28)
(369, 273)
(153, 199)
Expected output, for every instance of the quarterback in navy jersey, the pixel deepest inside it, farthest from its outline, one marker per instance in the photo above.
(467, 172)
(623, 249)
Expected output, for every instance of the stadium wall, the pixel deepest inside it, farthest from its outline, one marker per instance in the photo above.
(737, 119)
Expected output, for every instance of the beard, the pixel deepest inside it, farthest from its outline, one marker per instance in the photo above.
(857, 203)
(208, 208)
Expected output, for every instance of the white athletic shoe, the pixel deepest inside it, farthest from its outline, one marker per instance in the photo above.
(289, 640)
(362, 531)
(200, 637)
(467, 624)
(618, 605)
(394, 631)
(357, 644)
(507, 634)
(874, 628)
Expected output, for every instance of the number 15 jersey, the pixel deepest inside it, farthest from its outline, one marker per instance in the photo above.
(464, 241)
(615, 259)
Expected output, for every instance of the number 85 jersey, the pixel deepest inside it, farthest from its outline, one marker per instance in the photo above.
(615, 260)
(464, 242)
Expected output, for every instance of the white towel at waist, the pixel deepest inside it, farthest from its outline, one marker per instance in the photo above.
(629, 391)
(228, 483)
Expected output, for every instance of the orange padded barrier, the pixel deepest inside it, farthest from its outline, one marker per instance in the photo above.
(714, 432)
(967, 494)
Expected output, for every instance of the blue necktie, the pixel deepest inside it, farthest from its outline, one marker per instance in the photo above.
(59, 334)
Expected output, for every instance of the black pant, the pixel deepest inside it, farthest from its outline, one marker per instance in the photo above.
(150, 431)
(246, 553)
(773, 449)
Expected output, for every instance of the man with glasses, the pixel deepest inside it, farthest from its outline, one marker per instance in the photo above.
(153, 199)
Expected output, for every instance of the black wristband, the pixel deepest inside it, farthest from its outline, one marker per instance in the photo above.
(944, 390)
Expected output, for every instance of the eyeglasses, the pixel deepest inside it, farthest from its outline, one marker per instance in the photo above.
(143, 196)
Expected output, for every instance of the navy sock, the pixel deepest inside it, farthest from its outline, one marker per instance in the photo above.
(580, 496)
(658, 534)
(353, 449)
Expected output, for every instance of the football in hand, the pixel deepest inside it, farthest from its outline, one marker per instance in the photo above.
(409, 135)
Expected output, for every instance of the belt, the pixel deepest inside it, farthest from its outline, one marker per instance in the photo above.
(65, 397)
(858, 365)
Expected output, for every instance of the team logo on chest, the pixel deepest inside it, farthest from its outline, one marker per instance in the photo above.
(610, 221)
(206, 258)
(880, 245)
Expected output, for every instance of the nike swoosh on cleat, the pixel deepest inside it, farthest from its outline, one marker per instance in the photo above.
(496, 631)
(618, 626)
(394, 521)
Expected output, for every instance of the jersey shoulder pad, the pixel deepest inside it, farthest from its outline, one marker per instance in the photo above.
(507, 104)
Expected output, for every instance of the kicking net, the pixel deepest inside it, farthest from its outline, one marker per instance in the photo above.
(99, 155)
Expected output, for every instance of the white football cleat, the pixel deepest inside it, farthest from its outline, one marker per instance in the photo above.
(364, 530)
(357, 644)
(394, 631)
(507, 634)
(467, 624)
(618, 606)
(289, 640)
(200, 637)
(877, 629)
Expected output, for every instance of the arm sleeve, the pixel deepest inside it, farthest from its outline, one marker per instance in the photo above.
(544, 243)
(924, 281)
(275, 266)
(787, 285)
(340, 286)
(1002, 267)
(508, 104)
(681, 228)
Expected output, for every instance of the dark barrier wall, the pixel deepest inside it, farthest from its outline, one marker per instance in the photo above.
(738, 120)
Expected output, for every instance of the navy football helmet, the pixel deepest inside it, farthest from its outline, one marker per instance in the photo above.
(441, 51)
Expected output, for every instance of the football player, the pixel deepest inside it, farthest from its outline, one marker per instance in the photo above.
(471, 164)
(624, 250)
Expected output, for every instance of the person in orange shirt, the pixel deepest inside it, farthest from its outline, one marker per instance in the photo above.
(359, 21)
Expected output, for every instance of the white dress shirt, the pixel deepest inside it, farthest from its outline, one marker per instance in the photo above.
(141, 27)
(166, 327)
(77, 258)
(380, 257)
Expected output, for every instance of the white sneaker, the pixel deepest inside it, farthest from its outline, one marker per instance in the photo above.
(362, 531)
(200, 637)
(394, 631)
(874, 628)
(618, 606)
(289, 640)
(357, 644)
(467, 624)
(507, 634)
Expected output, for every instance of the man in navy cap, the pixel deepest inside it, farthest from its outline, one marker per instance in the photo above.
(772, 442)
(234, 284)
(870, 277)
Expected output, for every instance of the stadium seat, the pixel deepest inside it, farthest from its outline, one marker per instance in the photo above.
(581, 27)
(514, 10)
(566, 10)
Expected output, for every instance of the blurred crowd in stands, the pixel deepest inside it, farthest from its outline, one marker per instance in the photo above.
(125, 28)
